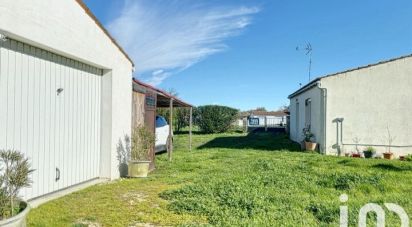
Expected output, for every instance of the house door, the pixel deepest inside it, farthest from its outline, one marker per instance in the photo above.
(297, 121)
(50, 111)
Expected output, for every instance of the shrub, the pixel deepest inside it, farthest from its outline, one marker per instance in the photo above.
(142, 142)
(370, 149)
(215, 119)
(14, 176)
(409, 158)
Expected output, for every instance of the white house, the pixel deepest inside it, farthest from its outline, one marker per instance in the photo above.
(65, 93)
(357, 107)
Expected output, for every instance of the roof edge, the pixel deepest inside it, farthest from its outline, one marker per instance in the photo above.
(161, 92)
(94, 18)
(304, 88)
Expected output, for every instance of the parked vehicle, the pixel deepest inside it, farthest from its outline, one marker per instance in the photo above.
(162, 134)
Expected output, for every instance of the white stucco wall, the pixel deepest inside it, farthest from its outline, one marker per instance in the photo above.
(370, 100)
(64, 28)
(296, 131)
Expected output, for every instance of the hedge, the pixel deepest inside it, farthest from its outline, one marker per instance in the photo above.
(215, 119)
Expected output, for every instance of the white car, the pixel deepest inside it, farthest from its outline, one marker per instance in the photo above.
(162, 134)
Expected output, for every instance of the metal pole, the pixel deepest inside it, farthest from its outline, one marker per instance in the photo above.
(310, 64)
(190, 128)
(170, 150)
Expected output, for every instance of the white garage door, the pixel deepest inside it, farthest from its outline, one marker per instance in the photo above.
(50, 111)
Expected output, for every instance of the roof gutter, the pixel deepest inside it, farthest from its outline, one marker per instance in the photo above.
(308, 86)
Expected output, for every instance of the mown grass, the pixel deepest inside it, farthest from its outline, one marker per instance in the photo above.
(237, 180)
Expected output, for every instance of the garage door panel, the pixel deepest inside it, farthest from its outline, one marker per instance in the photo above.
(54, 129)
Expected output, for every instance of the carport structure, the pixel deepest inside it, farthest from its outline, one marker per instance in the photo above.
(146, 99)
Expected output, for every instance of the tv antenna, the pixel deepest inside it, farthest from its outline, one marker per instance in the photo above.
(308, 52)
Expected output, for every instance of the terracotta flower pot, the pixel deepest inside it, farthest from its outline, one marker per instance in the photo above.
(402, 158)
(138, 168)
(356, 155)
(388, 156)
(310, 146)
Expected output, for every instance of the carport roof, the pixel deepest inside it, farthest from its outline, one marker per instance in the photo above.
(163, 98)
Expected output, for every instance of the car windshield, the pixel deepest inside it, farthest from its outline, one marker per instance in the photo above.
(160, 121)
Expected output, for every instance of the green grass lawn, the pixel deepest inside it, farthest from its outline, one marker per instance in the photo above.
(237, 180)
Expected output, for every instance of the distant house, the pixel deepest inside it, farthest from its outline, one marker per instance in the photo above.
(255, 119)
(357, 108)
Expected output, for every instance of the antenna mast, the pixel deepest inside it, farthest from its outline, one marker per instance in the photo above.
(308, 50)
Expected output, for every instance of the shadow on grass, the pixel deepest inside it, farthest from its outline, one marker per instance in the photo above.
(391, 167)
(255, 140)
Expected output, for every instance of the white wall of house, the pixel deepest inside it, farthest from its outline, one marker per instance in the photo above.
(370, 100)
(63, 28)
(299, 115)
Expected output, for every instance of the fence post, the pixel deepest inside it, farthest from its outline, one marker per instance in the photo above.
(266, 123)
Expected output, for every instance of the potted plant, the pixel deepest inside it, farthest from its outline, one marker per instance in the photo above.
(369, 152)
(14, 176)
(310, 145)
(142, 143)
(357, 154)
(388, 154)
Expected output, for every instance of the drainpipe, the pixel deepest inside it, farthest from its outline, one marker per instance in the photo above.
(324, 94)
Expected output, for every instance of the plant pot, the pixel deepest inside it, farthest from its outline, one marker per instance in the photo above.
(310, 146)
(18, 220)
(402, 158)
(388, 156)
(368, 154)
(138, 168)
(356, 155)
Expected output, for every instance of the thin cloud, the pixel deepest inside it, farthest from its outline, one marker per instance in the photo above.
(165, 37)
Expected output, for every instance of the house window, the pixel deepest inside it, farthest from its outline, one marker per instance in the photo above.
(308, 113)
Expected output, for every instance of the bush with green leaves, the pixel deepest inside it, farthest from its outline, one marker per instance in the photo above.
(142, 142)
(215, 119)
(409, 158)
(15, 171)
(181, 116)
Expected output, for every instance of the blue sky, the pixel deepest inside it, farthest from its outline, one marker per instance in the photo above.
(243, 53)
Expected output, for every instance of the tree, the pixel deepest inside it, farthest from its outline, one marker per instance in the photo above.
(260, 109)
(180, 115)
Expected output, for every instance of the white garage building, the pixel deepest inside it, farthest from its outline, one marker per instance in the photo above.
(357, 107)
(65, 93)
